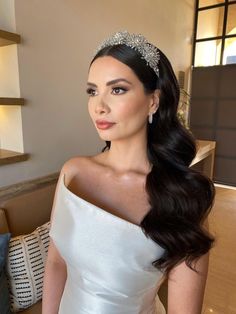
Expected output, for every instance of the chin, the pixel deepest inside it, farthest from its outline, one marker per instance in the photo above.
(105, 138)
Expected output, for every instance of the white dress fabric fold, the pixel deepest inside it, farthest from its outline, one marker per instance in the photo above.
(109, 260)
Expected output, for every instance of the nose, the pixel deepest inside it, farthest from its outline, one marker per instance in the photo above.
(101, 106)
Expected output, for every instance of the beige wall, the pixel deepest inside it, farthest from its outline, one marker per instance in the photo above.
(59, 38)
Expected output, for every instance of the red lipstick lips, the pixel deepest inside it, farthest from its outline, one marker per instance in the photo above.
(103, 124)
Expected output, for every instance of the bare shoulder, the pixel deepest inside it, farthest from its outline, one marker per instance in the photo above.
(80, 166)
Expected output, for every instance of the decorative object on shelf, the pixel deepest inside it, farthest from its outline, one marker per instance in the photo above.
(183, 108)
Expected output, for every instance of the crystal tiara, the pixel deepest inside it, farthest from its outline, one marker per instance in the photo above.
(138, 42)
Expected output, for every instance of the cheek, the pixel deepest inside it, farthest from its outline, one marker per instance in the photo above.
(90, 108)
(134, 108)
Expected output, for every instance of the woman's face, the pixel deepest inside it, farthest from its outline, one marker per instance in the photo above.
(118, 104)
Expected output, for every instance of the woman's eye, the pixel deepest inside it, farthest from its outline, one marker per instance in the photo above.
(91, 91)
(118, 90)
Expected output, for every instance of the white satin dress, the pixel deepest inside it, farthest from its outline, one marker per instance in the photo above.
(108, 260)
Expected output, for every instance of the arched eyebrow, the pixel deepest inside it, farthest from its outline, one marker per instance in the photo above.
(112, 82)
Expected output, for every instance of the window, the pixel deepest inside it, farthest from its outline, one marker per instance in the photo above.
(214, 33)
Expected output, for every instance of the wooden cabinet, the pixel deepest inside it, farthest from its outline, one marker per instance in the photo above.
(204, 160)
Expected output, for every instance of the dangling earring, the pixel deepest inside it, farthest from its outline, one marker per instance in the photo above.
(150, 118)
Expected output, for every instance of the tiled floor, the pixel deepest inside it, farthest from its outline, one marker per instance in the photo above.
(220, 294)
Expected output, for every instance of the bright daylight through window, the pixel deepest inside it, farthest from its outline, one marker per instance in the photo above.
(215, 33)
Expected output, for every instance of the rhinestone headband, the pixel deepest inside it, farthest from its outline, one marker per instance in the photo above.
(138, 42)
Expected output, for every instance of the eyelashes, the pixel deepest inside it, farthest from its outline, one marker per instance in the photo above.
(115, 91)
(91, 91)
(119, 90)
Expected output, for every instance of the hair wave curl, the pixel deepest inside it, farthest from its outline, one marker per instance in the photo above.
(180, 198)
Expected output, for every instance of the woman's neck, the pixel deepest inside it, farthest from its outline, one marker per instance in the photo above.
(125, 157)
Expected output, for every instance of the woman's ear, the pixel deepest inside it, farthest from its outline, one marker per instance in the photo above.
(155, 101)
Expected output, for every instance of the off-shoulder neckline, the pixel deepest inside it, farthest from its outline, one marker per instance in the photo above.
(97, 207)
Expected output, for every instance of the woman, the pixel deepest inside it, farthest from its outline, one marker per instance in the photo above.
(127, 217)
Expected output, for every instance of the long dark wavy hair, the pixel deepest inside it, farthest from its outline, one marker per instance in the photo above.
(180, 198)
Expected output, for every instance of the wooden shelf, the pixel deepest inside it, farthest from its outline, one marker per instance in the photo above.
(7, 38)
(9, 101)
(9, 156)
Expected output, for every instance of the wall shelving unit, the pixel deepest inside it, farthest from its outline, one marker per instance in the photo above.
(9, 156)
